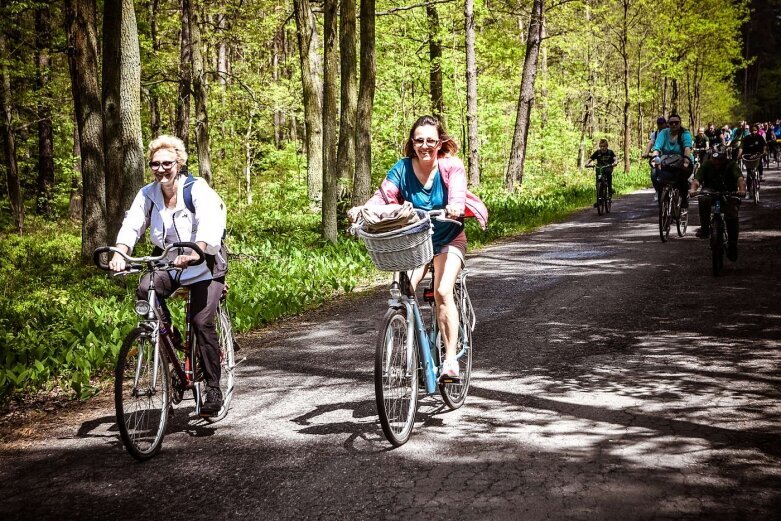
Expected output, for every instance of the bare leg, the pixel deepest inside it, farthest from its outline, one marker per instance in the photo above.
(446, 270)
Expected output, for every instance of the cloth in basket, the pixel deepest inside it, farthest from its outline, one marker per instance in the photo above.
(384, 218)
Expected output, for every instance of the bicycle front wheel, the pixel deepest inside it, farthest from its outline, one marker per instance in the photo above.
(683, 220)
(396, 378)
(664, 215)
(222, 324)
(601, 195)
(717, 246)
(141, 395)
(454, 394)
(757, 183)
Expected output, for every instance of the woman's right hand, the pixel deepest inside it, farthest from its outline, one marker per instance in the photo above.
(117, 263)
(354, 212)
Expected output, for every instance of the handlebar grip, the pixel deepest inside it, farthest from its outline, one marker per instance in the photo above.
(96, 257)
(197, 249)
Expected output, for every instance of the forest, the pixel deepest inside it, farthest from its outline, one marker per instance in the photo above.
(295, 110)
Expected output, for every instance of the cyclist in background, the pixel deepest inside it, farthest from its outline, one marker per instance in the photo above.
(432, 178)
(661, 124)
(604, 158)
(701, 143)
(721, 175)
(753, 144)
(672, 157)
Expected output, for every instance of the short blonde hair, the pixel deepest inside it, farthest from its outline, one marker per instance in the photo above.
(169, 142)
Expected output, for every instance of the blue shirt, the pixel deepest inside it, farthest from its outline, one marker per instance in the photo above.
(432, 198)
(665, 147)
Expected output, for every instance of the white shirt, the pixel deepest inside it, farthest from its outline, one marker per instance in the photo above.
(178, 224)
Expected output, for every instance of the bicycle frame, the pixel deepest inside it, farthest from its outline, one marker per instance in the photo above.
(403, 296)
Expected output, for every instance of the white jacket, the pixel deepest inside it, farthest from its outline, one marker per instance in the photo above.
(207, 224)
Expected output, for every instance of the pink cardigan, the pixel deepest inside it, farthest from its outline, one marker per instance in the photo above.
(454, 175)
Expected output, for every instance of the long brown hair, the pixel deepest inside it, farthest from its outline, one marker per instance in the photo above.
(448, 145)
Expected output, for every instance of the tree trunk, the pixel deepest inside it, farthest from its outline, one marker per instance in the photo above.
(45, 134)
(514, 176)
(435, 57)
(627, 100)
(248, 157)
(222, 50)
(278, 120)
(473, 150)
(543, 77)
(330, 71)
(9, 141)
(312, 90)
(121, 110)
(81, 28)
(200, 97)
(182, 123)
(154, 102)
(345, 155)
(75, 200)
(363, 130)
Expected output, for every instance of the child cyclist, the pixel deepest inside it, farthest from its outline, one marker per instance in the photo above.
(604, 158)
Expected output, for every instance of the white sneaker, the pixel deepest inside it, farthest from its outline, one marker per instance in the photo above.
(656, 197)
(450, 368)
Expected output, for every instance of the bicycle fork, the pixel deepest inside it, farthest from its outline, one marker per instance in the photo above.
(416, 328)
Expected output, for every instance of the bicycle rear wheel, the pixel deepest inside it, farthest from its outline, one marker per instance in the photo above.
(396, 378)
(717, 246)
(222, 324)
(454, 394)
(141, 395)
(665, 217)
(757, 184)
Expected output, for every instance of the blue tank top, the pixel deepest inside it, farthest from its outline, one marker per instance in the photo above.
(432, 198)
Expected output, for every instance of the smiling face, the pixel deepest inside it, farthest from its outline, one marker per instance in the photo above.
(165, 168)
(425, 141)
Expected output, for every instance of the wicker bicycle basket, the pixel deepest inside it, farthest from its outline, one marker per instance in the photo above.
(403, 249)
(751, 162)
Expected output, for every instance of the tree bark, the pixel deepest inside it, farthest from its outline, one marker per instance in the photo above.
(363, 129)
(9, 141)
(45, 133)
(154, 102)
(345, 154)
(200, 96)
(330, 70)
(312, 90)
(75, 200)
(473, 149)
(514, 176)
(435, 57)
(182, 122)
(121, 110)
(627, 101)
(222, 50)
(81, 28)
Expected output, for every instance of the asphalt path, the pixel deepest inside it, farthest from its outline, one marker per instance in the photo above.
(614, 378)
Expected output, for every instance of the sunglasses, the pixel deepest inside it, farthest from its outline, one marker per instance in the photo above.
(419, 141)
(167, 165)
(674, 122)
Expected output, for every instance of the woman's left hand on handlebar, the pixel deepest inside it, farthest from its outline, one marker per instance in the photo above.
(354, 212)
(182, 261)
(117, 263)
(454, 211)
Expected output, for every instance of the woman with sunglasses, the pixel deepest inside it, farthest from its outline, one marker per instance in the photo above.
(672, 157)
(161, 207)
(431, 178)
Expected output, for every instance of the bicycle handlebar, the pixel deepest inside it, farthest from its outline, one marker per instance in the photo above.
(135, 264)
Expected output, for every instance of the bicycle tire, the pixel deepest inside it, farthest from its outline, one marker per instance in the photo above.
(396, 372)
(601, 199)
(222, 324)
(142, 409)
(682, 224)
(608, 203)
(454, 394)
(664, 215)
(717, 246)
(757, 184)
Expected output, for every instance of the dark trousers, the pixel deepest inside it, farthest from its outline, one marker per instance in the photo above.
(204, 299)
(730, 218)
(608, 175)
(679, 178)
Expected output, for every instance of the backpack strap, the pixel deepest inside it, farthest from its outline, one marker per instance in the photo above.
(187, 192)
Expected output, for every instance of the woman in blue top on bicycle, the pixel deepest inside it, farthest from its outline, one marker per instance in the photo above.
(432, 179)
(672, 157)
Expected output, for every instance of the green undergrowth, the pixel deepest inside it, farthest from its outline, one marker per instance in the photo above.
(62, 323)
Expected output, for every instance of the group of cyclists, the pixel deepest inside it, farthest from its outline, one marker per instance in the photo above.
(710, 159)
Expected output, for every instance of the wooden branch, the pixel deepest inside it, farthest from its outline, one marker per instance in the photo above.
(414, 6)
